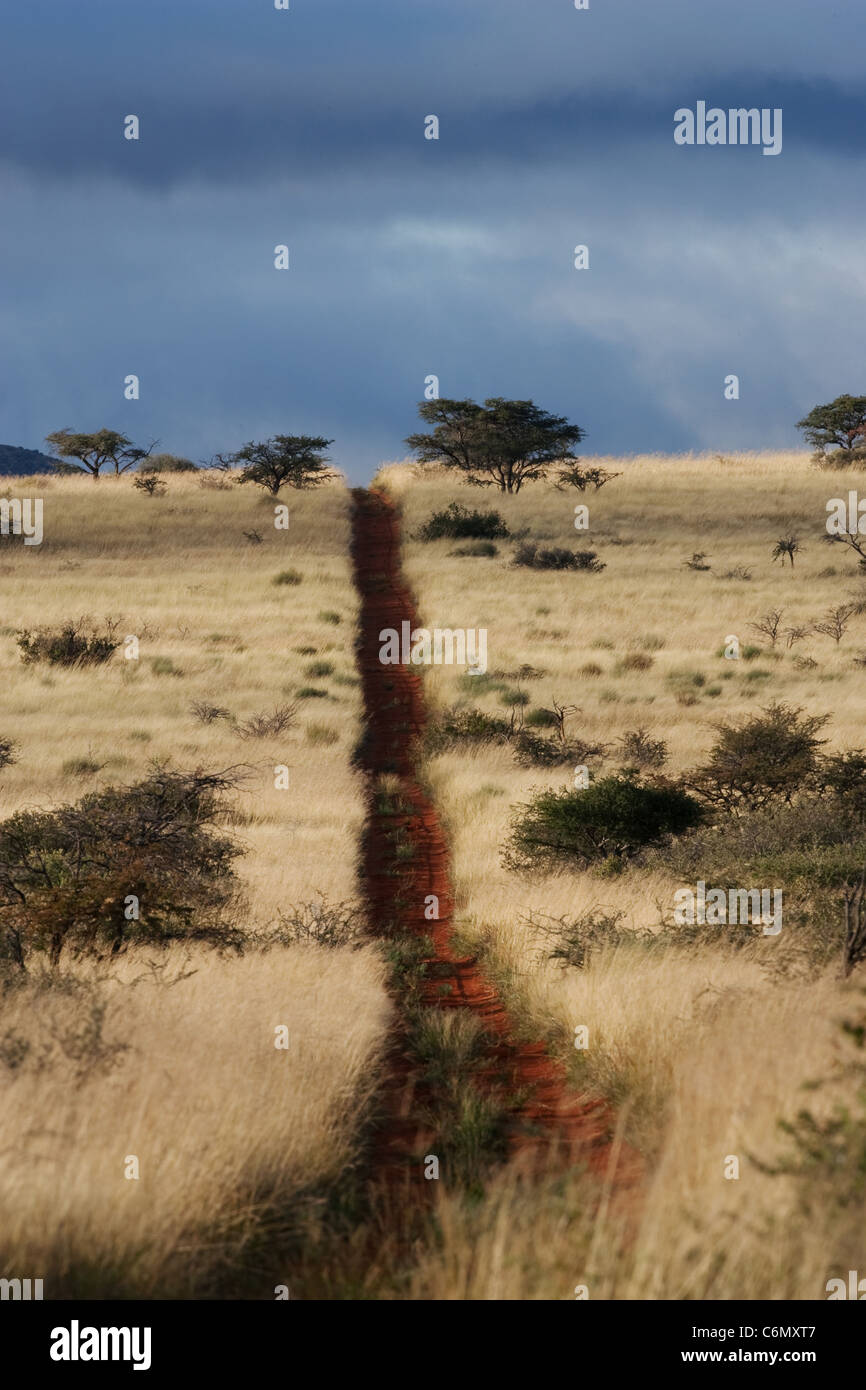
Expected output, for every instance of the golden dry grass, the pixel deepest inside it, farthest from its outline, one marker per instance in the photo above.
(225, 1127)
(224, 1124)
(179, 574)
(703, 1049)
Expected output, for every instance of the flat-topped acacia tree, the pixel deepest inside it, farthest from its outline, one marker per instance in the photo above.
(842, 422)
(93, 452)
(294, 459)
(500, 443)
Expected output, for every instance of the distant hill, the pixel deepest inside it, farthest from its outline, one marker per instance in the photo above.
(24, 461)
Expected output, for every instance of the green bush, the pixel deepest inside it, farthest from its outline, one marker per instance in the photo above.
(287, 577)
(533, 750)
(769, 756)
(610, 819)
(844, 775)
(458, 523)
(815, 843)
(529, 555)
(69, 645)
(69, 877)
(457, 726)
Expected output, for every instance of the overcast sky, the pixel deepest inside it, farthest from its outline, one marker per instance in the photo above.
(411, 257)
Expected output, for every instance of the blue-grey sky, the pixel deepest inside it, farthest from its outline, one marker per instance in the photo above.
(412, 257)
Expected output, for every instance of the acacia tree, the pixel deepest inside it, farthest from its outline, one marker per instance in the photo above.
(94, 451)
(296, 459)
(502, 443)
(842, 422)
(767, 757)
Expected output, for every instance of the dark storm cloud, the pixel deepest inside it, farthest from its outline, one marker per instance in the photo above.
(234, 90)
(412, 257)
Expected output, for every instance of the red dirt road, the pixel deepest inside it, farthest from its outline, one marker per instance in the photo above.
(406, 860)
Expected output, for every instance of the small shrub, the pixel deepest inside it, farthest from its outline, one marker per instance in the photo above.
(610, 819)
(697, 562)
(287, 577)
(576, 475)
(639, 749)
(253, 537)
(531, 750)
(70, 645)
(456, 522)
(8, 750)
(207, 713)
(319, 668)
(328, 616)
(529, 555)
(576, 939)
(323, 923)
(786, 548)
(311, 692)
(515, 698)
(633, 661)
(457, 726)
(151, 486)
(267, 724)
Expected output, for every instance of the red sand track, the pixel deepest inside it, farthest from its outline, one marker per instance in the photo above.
(548, 1117)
